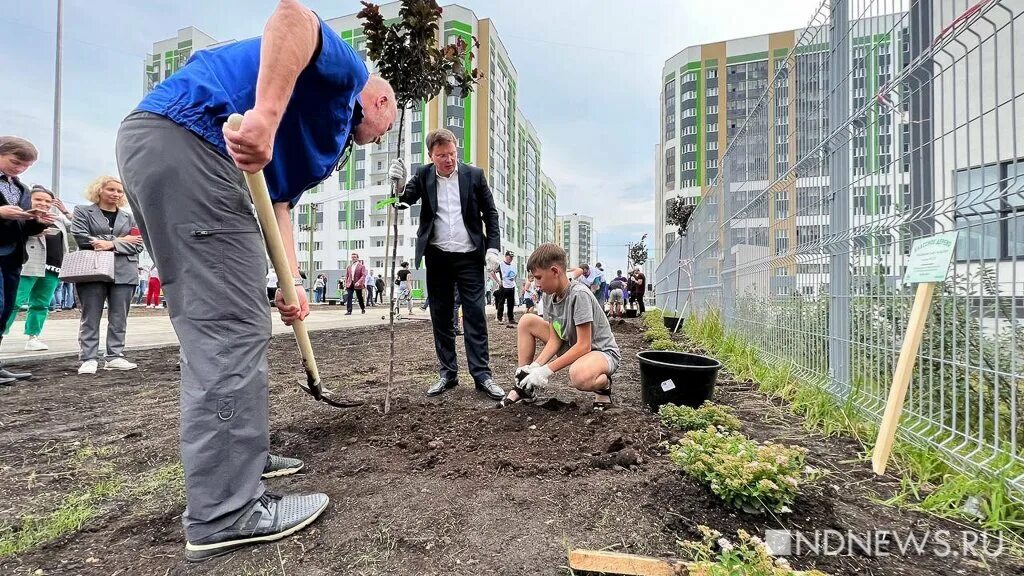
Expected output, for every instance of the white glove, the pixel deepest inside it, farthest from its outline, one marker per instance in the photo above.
(522, 371)
(397, 171)
(537, 378)
(493, 260)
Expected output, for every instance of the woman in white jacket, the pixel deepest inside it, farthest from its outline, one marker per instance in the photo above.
(40, 274)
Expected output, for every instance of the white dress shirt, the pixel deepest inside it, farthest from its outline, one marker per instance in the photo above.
(450, 234)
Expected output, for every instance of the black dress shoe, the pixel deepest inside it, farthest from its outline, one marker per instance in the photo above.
(442, 385)
(5, 373)
(491, 388)
(7, 381)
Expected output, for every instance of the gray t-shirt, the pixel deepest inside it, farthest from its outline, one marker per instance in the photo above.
(580, 307)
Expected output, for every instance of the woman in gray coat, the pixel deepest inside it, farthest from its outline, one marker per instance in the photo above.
(104, 225)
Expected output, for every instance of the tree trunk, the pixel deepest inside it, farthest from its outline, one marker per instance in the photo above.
(393, 216)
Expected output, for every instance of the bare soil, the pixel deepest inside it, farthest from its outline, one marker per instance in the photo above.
(441, 486)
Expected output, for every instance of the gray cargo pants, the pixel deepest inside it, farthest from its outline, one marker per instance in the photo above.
(197, 221)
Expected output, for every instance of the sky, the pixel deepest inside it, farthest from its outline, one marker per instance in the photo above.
(589, 79)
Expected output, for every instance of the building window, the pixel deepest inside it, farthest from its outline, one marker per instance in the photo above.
(860, 200)
(712, 73)
(781, 206)
(781, 241)
(990, 212)
(455, 121)
(454, 100)
(712, 128)
(713, 92)
(670, 168)
(711, 110)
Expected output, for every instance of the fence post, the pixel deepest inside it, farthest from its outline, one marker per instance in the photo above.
(839, 183)
(727, 276)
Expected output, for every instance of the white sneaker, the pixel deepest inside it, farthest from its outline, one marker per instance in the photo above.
(119, 363)
(88, 367)
(34, 344)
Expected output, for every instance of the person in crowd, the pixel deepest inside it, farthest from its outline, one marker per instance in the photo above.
(41, 272)
(505, 278)
(140, 293)
(319, 285)
(639, 290)
(617, 295)
(355, 281)
(459, 236)
(181, 165)
(488, 290)
(18, 222)
(64, 297)
(530, 294)
(603, 291)
(404, 287)
(371, 287)
(574, 332)
(153, 288)
(380, 286)
(272, 286)
(105, 225)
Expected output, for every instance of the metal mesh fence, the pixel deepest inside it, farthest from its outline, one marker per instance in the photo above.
(887, 122)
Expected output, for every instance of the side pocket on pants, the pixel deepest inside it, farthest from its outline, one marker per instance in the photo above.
(216, 271)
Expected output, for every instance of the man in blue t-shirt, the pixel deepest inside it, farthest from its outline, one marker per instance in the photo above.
(306, 96)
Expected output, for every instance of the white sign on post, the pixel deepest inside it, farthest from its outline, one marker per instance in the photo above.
(928, 265)
(930, 258)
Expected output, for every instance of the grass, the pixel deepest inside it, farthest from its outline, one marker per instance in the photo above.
(928, 483)
(74, 511)
(163, 482)
(94, 465)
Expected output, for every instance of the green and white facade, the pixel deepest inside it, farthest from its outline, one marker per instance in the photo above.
(707, 91)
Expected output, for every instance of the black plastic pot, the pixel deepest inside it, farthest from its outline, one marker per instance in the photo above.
(631, 312)
(671, 322)
(668, 377)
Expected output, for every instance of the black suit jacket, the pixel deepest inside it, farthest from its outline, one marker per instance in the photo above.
(14, 232)
(478, 211)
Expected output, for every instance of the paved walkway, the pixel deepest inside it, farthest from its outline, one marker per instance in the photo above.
(155, 331)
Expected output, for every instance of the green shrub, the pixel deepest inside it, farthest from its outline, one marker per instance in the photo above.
(665, 344)
(709, 414)
(659, 333)
(749, 556)
(743, 473)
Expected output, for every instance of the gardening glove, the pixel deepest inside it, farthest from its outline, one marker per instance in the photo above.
(493, 260)
(537, 378)
(397, 172)
(523, 371)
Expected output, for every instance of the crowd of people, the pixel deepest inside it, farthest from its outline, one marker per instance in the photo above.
(37, 232)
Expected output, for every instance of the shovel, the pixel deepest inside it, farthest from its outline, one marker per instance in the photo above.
(275, 248)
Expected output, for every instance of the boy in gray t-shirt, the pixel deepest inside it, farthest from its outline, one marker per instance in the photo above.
(574, 330)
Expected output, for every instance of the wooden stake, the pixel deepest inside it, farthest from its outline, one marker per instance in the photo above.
(901, 378)
(616, 563)
(631, 565)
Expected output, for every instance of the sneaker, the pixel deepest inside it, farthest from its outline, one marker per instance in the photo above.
(119, 363)
(271, 518)
(34, 344)
(281, 466)
(88, 367)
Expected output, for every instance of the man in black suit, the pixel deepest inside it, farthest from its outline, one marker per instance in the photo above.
(457, 207)
(16, 224)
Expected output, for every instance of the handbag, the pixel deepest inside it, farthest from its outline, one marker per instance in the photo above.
(88, 266)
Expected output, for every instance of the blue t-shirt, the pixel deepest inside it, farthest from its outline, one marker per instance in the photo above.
(315, 127)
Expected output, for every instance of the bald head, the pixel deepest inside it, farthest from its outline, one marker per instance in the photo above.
(379, 110)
